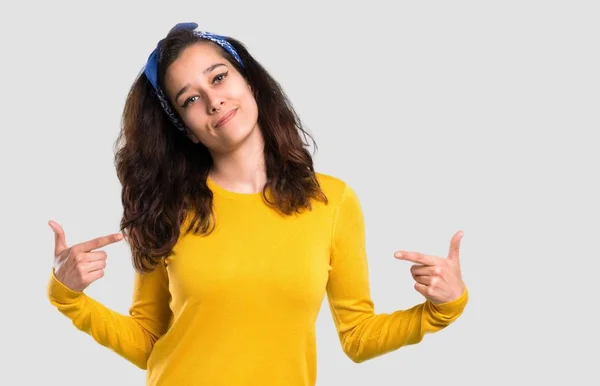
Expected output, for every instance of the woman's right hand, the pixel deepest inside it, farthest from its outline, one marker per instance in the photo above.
(79, 265)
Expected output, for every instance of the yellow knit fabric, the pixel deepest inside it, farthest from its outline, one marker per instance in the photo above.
(239, 307)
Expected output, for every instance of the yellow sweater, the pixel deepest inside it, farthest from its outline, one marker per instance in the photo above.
(238, 308)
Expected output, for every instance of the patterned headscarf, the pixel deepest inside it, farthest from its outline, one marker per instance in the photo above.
(151, 68)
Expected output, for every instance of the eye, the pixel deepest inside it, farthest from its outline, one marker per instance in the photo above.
(188, 101)
(219, 78)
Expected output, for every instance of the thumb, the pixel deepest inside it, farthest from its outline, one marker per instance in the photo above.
(60, 244)
(455, 246)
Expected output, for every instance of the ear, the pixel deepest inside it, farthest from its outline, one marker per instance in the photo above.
(192, 136)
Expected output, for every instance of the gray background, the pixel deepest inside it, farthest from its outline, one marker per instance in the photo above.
(473, 115)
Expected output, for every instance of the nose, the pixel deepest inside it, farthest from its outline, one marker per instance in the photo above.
(215, 102)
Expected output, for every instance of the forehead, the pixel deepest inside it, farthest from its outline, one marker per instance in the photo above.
(192, 61)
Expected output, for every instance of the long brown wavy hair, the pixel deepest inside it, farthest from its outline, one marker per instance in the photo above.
(163, 173)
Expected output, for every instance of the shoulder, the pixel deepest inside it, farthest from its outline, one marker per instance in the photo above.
(335, 188)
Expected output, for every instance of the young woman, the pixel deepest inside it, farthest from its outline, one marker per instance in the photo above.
(234, 237)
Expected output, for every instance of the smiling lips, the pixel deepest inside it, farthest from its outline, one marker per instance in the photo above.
(226, 118)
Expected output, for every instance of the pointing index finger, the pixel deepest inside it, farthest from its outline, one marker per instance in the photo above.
(417, 257)
(99, 242)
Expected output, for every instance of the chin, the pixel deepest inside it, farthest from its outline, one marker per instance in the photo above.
(235, 136)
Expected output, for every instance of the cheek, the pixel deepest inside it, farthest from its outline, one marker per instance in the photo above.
(242, 92)
(251, 107)
(195, 117)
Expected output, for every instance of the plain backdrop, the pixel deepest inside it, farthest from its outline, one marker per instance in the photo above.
(478, 116)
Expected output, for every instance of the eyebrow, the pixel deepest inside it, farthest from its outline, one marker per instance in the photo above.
(187, 86)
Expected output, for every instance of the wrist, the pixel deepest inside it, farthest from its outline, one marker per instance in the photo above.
(60, 292)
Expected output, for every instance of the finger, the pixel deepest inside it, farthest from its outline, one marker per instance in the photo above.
(96, 255)
(98, 242)
(417, 269)
(95, 275)
(60, 243)
(454, 252)
(422, 289)
(94, 265)
(417, 257)
(425, 270)
(425, 280)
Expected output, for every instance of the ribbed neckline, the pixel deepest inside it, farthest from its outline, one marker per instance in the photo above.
(221, 191)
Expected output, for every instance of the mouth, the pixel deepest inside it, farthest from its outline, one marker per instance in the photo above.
(226, 118)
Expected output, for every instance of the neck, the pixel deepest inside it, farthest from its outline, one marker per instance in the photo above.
(242, 170)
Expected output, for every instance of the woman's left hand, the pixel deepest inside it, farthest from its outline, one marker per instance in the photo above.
(438, 279)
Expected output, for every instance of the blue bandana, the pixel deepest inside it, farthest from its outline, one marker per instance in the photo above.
(151, 69)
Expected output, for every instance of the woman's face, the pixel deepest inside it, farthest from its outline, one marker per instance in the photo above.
(211, 96)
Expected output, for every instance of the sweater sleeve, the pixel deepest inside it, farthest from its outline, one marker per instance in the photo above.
(131, 336)
(364, 334)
